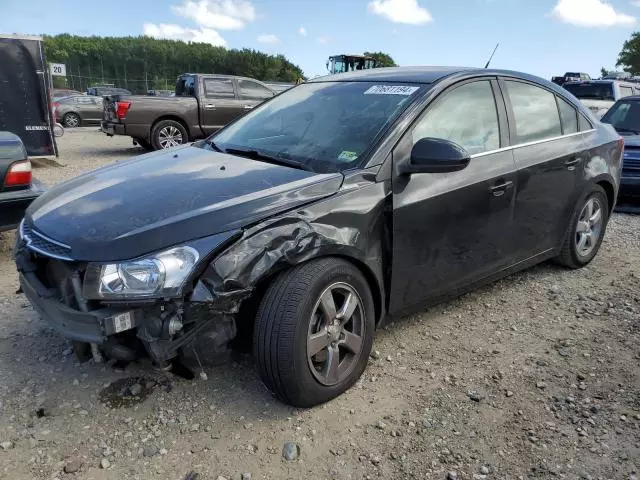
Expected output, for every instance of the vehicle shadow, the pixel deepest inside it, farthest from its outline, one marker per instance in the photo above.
(130, 151)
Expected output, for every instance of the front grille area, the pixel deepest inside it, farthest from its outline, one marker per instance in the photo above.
(43, 245)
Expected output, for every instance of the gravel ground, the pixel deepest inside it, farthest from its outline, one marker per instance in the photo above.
(534, 377)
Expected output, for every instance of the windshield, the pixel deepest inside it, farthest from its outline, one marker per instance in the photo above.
(597, 91)
(324, 126)
(625, 117)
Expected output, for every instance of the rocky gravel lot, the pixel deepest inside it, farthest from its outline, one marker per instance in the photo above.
(534, 377)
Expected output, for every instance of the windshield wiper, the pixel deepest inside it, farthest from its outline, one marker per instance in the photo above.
(213, 145)
(256, 155)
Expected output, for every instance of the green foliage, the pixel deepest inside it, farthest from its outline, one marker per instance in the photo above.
(383, 59)
(629, 57)
(138, 63)
(603, 72)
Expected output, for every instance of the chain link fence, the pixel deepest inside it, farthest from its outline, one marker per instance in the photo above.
(138, 86)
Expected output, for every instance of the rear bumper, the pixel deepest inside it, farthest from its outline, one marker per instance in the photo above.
(135, 130)
(91, 327)
(13, 204)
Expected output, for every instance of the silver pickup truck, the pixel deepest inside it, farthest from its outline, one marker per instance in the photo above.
(202, 104)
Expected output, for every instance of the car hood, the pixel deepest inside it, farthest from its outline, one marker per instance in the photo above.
(166, 198)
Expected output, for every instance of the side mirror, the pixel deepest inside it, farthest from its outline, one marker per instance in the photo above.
(435, 155)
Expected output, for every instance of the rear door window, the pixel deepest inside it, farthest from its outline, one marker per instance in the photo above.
(535, 112)
(219, 88)
(568, 116)
(249, 90)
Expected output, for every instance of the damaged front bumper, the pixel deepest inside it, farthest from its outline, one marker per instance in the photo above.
(200, 324)
(91, 327)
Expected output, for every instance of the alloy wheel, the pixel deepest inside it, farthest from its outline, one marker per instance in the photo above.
(72, 120)
(589, 227)
(336, 332)
(169, 136)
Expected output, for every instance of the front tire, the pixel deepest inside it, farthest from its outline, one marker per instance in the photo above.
(71, 120)
(586, 230)
(314, 331)
(167, 134)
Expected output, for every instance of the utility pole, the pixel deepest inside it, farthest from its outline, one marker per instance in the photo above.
(102, 67)
(125, 76)
(80, 78)
(146, 80)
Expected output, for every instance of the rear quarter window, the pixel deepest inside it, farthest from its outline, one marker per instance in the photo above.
(535, 112)
(568, 116)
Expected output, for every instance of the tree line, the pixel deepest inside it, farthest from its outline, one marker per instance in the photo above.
(141, 63)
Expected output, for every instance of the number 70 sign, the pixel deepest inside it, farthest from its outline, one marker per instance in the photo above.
(58, 69)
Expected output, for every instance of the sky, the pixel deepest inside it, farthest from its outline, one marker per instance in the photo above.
(542, 37)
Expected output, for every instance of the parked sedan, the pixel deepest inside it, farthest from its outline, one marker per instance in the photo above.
(77, 110)
(18, 188)
(307, 223)
(625, 118)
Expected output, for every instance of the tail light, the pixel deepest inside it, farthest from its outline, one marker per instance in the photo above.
(121, 109)
(19, 174)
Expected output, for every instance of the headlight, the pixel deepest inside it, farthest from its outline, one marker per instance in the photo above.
(159, 275)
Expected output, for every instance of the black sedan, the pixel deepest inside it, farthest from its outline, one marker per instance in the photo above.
(18, 188)
(307, 223)
(625, 118)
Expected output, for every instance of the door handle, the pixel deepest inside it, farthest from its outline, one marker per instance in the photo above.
(209, 106)
(499, 189)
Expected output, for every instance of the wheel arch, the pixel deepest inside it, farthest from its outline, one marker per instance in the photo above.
(249, 307)
(173, 117)
(609, 189)
(374, 285)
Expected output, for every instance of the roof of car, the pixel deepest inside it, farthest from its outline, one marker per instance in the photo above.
(417, 74)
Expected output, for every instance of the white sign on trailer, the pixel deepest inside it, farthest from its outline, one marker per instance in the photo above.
(58, 69)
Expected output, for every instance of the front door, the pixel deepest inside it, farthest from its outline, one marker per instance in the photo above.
(219, 104)
(548, 151)
(450, 229)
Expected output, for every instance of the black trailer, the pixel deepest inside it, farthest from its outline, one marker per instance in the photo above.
(25, 106)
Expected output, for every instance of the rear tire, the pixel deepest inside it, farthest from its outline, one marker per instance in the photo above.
(323, 306)
(167, 134)
(586, 230)
(71, 120)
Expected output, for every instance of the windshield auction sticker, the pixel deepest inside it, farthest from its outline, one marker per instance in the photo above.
(391, 90)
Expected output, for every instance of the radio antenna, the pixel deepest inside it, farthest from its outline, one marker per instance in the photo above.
(492, 54)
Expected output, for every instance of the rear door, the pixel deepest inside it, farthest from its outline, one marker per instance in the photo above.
(218, 103)
(451, 229)
(252, 93)
(90, 108)
(549, 154)
(85, 106)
